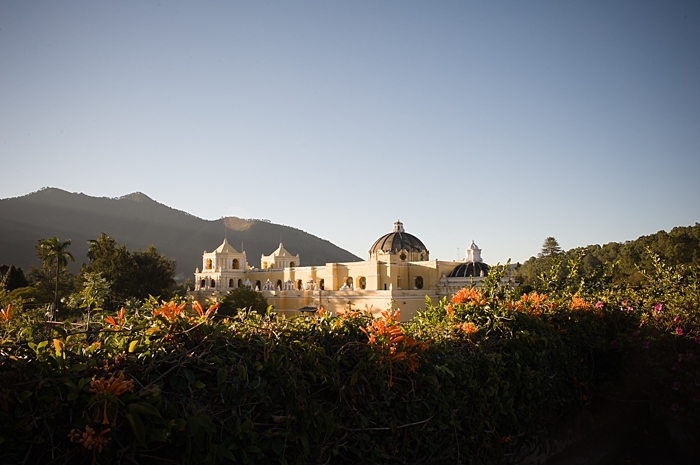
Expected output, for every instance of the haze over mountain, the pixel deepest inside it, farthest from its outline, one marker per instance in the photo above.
(138, 221)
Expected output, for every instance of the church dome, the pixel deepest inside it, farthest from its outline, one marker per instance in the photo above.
(469, 269)
(397, 241)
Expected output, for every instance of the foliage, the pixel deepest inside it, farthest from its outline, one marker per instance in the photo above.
(467, 380)
(130, 275)
(12, 278)
(680, 246)
(242, 298)
(54, 254)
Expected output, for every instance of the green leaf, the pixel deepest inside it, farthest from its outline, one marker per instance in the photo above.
(142, 407)
(221, 376)
(353, 380)
(199, 385)
(137, 428)
(24, 395)
(78, 367)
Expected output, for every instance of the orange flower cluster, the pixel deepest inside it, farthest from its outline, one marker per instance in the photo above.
(393, 345)
(532, 304)
(6, 314)
(469, 328)
(471, 296)
(579, 304)
(200, 311)
(88, 439)
(108, 390)
(113, 386)
(116, 324)
(170, 311)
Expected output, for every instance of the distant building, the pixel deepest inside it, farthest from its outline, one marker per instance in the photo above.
(399, 272)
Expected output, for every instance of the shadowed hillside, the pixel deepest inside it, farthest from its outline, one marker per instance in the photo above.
(138, 221)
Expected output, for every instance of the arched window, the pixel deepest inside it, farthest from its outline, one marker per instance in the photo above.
(230, 282)
(264, 265)
(240, 282)
(300, 284)
(212, 283)
(258, 286)
(209, 264)
(292, 264)
(235, 265)
(279, 284)
(322, 284)
(203, 283)
(362, 282)
(349, 282)
(418, 282)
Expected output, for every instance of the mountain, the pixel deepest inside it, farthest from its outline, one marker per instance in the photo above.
(137, 221)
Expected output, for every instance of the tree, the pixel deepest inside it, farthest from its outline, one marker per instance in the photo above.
(12, 278)
(130, 275)
(550, 248)
(153, 274)
(242, 297)
(93, 294)
(52, 251)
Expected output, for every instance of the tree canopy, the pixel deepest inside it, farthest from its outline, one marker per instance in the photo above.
(242, 297)
(136, 274)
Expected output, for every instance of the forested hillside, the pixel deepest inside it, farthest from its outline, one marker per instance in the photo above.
(681, 246)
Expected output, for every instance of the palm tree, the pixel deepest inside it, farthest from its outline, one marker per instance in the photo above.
(52, 250)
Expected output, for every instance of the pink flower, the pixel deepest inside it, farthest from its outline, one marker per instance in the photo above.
(629, 309)
(680, 357)
(599, 304)
(674, 406)
(645, 344)
(676, 385)
(679, 331)
(658, 308)
(677, 319)
(675, 366)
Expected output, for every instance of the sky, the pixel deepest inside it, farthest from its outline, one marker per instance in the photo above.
(501, 122)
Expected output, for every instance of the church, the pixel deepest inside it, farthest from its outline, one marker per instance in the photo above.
(398, 274)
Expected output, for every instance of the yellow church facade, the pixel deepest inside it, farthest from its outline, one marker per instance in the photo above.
(398, 274)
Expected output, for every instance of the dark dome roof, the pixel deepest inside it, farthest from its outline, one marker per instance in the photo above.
(398, 240)
(470, 269)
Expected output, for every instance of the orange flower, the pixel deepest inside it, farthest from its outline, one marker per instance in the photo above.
(112, 387)
(473, 296)
(469, 328)
(88, 439)
(170, 311)
(450, 311)
(200, 311)
(6, 314)
(579, 304)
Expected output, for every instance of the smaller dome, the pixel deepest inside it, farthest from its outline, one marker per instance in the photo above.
(469, 269)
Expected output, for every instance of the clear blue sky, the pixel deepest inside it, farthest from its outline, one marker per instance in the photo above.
(502, 122)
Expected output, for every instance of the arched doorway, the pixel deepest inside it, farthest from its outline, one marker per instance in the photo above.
(361, 282)
(236, 264)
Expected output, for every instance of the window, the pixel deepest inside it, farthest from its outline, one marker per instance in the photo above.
(300, 284)
(230, 282)
(203, 283)
(235, 265)
(258, 286)
(349, 282)
(264, 265)
(322, 285)
(209, 264)
(402, 256)
(279, 284)
(362, 282)
(292, 264)
(418, 282)
(240, 282)
(212, 283)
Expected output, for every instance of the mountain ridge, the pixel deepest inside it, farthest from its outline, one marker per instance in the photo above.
(137, 221)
